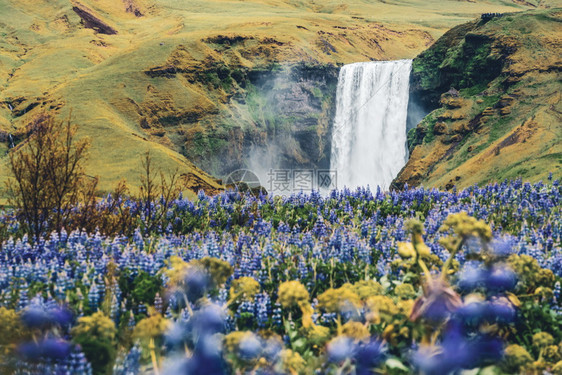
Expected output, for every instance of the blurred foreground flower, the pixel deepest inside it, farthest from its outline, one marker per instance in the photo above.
(457, 350)
(40, 315)
(340, 349)
(438, 302)
(54, 349)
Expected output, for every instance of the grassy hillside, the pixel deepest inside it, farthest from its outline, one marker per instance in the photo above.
(154, 75)
(502, 120)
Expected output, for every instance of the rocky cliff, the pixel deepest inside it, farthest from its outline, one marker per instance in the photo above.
(492, 87)
(272, 114)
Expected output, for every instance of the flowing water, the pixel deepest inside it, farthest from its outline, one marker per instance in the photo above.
(369, 138)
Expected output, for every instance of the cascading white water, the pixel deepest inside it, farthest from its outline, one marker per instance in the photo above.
(369, 135)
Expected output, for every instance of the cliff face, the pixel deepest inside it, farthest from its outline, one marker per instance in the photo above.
(277, 117)
(492, 87)
(271, 115)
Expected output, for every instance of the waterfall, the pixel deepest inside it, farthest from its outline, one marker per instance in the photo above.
(369, 140)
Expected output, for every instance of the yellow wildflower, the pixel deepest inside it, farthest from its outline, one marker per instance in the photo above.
(557, 369)
(467, 226)
(356, 331)
(406, 250)
(367, 288)
(515, 358)
(405, 291)
(405, 306)
(11, 330)
(423, 250)
(219, 270)
(318, 335)
(551, 354)
(96, 326)
(233, 339)
(542, 339)
(151, 327)
(292, 293)
(177, 270)
(292, 362)
(380, 309)
(245, 288)
(338, 300)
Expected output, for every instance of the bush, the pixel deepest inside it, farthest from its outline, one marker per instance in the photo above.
(96, 335)
(48, 176)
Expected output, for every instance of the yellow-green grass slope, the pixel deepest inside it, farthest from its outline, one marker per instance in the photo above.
(91, 57)
(506, 121)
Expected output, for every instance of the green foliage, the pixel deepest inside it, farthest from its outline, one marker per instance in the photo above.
(425, 66)
(204, 144)
(474, 90)
(38, 287)
(141, 288)
(317, 93)
(96, 335)
(100, 353)
(535, 318)
(145, 288)
(531, 275)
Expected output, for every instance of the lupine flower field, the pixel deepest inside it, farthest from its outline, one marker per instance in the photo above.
(356, 282)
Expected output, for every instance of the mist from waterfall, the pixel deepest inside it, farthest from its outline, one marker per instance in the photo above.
(369, 137)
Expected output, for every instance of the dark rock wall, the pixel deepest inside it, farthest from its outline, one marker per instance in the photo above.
(279, 117)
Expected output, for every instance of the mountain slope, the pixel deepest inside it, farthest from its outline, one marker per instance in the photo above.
(170, 77)
(495, 89)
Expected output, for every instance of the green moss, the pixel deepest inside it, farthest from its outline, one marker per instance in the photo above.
(212, 79)
(461, 59)
(428, 123)
(498, 127)
(415, 137)
(204, 144)
(474, 90)
(317, 93)
(425, 66)
(488, 101)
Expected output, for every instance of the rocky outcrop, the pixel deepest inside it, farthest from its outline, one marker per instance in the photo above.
(293, 109)
(132, 7)
(284, 112)
(91, 21)
(484, 90)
